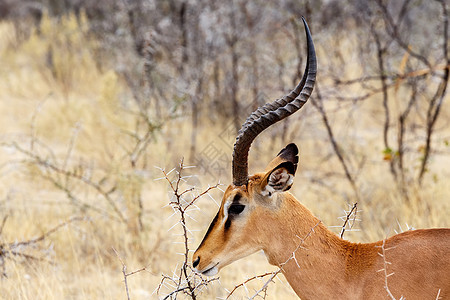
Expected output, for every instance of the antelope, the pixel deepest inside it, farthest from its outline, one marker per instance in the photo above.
(258, 213)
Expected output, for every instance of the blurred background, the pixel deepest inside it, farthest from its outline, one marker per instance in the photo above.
(96, 97)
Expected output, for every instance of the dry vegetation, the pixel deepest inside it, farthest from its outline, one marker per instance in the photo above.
(88, 121)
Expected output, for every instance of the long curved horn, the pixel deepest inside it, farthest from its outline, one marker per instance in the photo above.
(270, 113)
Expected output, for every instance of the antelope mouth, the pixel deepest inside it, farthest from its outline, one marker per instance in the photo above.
(211, 271)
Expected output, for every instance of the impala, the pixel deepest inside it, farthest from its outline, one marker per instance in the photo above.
(258, 213)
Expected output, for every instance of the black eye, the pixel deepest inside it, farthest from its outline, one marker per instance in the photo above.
(236, 209)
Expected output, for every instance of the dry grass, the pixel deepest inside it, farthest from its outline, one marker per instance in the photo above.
(82, 114)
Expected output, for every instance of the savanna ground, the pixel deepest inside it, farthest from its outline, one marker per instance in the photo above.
(88, 122)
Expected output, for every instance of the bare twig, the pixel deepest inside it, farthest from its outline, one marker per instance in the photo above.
(386, 263)
(319, 106)
(188, 281)
(12, 249)
(272, 276)
(125, 274)
(438, 98)
(44, 235)
(395, 77)
(392, 28)
(400, 141)
(381, 53)
(52, 166)
(353, 211)
(3, 223)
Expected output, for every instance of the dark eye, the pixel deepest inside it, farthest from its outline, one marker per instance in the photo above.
(236, 209)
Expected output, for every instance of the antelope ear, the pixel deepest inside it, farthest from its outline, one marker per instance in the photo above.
(287, 154)
(280, 172)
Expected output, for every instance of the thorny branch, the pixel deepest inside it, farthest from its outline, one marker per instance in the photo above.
(188, 281)
(386, 263)
(350, 215)
(384, 269)
(125, 274)
(272, 276)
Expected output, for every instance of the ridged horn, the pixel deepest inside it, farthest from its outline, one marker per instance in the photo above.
(270, 113)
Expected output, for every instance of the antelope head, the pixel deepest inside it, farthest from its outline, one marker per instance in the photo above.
(250, 202)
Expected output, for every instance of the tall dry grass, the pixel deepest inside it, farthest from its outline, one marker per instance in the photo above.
(60, 109)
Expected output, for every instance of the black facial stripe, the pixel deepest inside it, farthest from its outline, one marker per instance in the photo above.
(228, 224)
(214, 221)
(236, 201)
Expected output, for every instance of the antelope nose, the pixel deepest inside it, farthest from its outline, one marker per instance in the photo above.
(196, 261)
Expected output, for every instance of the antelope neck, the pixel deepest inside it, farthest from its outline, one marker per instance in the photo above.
(312, 258)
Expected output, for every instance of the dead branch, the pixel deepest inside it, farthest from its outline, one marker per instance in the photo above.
(438, 98)
(47, 164)
(3, 223)
(319, 106)
(125, 274)
(13, 249)
(44, 235)
(352, 212)
(188, 281)
(273, 275)
(386, 263)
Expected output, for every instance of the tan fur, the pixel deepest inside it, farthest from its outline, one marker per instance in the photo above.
(325, 265)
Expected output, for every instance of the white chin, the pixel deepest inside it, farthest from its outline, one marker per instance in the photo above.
(211, 272)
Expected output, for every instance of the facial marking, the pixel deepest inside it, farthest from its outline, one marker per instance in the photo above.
(211, 226)
(226, 207)
(228, 203)
(227, 224)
